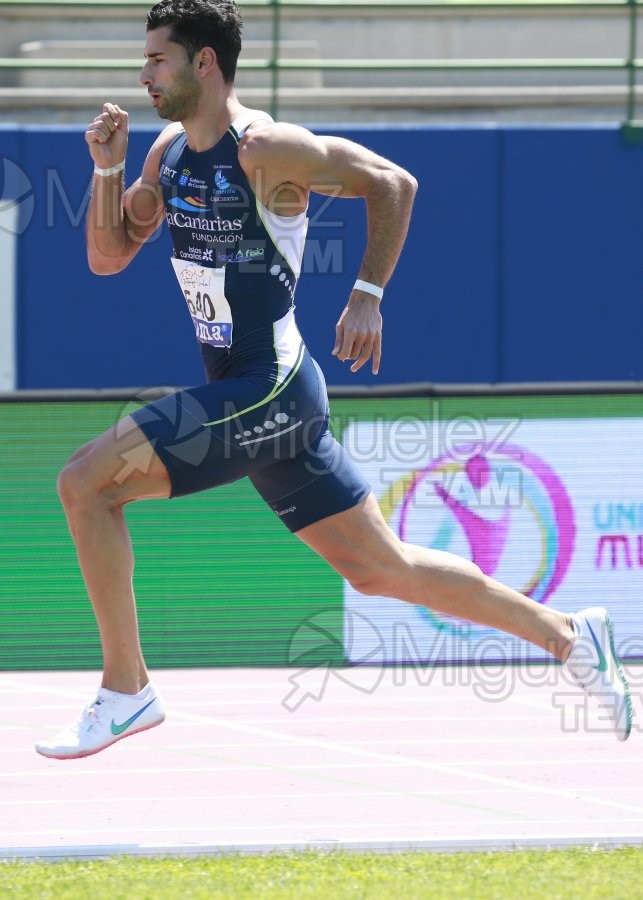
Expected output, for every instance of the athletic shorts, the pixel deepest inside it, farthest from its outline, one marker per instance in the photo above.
(249, 425)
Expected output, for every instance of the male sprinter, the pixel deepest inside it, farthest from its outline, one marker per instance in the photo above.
(234, 188)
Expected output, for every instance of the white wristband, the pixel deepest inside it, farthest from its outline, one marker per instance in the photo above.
(368, 288)
(112, 171)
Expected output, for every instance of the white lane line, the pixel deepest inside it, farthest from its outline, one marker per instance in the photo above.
(372, 700)
(441, 768)
(181, 769)
(402, 742)
(394, 680)
(431, 825)
(26, 687)
(422, 693)
(294, 718)
(75, 695)
(394, 743)
(395, 762)
(419, 763)
(44, 707)
(556, 761)
(401, 763)
(322, 794)
(319, 721)
(538, 704)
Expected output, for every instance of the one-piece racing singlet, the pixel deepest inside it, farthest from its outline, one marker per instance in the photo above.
(264, 410)
(236, 262)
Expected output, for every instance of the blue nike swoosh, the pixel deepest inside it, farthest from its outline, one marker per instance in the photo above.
(602, 662)
(119, 729)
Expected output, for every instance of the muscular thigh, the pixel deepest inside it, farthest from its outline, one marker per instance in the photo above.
(356, 536)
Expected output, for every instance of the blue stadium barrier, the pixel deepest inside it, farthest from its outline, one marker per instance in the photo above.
(523, 263)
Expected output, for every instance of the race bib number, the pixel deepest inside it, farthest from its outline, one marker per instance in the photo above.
(203, 291)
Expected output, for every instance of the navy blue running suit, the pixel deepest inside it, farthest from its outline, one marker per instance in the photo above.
(264, 410)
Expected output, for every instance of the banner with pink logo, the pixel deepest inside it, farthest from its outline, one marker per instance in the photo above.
(551, 507)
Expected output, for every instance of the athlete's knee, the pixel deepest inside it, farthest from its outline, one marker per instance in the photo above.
(71, 486)
(77, 482)
(375, 576)
(369, 582)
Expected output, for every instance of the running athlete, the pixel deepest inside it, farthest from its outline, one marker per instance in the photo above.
(233, 187)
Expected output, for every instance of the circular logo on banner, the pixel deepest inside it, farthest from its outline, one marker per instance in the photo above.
(503, 508)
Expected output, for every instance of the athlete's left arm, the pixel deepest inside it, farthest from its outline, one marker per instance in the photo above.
(285, 162)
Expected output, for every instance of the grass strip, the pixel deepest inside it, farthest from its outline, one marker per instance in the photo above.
(555, 874)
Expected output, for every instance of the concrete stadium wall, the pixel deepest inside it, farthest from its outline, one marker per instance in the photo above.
(524, 262)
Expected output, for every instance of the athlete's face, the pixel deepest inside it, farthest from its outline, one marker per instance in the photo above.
(169, 77)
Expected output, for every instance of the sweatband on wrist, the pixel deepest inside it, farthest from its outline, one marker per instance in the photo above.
(111, 171)
(368, 288)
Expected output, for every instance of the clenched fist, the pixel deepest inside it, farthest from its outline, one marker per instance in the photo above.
(107, 136)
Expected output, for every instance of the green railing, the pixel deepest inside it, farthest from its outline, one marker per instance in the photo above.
(628, 64)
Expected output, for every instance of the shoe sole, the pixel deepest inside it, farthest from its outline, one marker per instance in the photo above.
(621, 675)
(105, 746)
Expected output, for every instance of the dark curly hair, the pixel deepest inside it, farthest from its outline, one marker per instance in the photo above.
(202, 23)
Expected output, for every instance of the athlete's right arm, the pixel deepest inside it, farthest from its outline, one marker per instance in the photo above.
(119, 222)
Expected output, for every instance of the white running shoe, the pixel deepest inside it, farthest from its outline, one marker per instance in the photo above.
(594, 665)
(110, 718)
